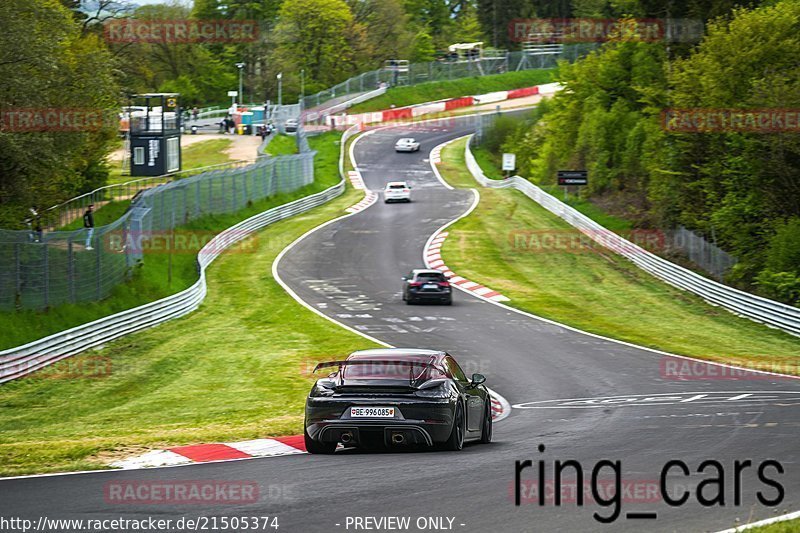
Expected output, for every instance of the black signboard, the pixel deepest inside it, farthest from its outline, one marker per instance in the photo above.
(573, 177)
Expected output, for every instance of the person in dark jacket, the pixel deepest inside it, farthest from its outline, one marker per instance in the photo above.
(88, 223)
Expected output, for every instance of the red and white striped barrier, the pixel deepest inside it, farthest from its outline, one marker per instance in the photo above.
(433, 259)
(490, 98)
(419, 110)
(205, 453)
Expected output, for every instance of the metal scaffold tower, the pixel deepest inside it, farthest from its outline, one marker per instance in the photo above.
(540, 45)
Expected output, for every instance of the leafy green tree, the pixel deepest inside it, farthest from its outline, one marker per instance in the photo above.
(386, 25)
(467, 27)
(318, 36)
(47, 64)
(422, 48)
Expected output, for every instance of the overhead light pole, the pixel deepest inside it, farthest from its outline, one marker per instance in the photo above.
(240, 66)
(280, 89)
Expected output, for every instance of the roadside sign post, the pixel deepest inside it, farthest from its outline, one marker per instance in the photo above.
(572, 177)
(509, 163)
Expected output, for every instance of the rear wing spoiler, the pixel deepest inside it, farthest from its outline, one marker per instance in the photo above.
(341, 364)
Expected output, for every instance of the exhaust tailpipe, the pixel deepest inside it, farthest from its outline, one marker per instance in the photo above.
(347, 437)
(398, 438)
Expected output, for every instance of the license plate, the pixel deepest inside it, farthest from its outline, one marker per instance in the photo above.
(372, 412)
(430, 286)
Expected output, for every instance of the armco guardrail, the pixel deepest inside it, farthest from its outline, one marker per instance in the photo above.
(22, 360)
(748, 305)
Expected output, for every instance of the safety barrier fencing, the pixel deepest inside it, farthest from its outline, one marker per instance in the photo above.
(22, 360)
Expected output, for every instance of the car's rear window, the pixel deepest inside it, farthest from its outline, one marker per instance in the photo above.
(431, 276)
(391, 371)
(397, 186)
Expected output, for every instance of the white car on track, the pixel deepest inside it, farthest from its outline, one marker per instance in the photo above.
(397, 191)
(406, 144)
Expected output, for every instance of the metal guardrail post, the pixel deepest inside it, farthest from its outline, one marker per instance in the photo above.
(46, 274)
(99, 269)
(17, 272)
(71, 270)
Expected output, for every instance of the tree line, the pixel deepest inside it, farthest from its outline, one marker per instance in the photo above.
(623, 116)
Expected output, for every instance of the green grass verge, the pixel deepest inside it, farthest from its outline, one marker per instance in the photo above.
(788, 526)
(238, 368)
(596, 291)
(151, 281)
(103, 214)
(282, 145)
(438, 90)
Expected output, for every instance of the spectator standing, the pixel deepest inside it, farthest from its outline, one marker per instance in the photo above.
(88, 224)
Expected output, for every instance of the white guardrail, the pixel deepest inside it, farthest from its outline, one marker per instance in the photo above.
(22, 360)
(756, 308)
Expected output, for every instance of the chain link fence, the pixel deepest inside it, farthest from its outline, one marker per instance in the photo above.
(447, 70)
(702, 253)
(44, 270)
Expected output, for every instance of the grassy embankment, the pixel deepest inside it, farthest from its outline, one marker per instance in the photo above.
(282, 145)
(438, 90)
(500, 245)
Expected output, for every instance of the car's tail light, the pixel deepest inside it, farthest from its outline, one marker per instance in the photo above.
(406, 190)
(444, 283)
(322, 388)
(415, 284)
(442, 390)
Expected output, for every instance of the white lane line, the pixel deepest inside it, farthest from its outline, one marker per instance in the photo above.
(152, 459)
(765, 522)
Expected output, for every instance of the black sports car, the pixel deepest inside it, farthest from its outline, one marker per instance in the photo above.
(425, 285)
(397, 397)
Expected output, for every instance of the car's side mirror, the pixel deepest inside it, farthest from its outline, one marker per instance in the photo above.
(477, 379)
(404, 278)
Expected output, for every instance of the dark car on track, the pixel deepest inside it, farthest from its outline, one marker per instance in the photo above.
(426, 285)
(397, 397)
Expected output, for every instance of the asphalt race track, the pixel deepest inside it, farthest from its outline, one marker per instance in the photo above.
(350, 270)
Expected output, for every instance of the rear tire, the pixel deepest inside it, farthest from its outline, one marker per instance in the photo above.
(448, 302)
(486, 430)
(456, 440)
(316, 447)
